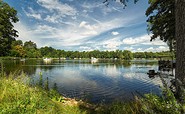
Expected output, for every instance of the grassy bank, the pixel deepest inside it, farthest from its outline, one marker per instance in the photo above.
(17, 96)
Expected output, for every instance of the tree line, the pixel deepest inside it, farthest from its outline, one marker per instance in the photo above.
(29, 49)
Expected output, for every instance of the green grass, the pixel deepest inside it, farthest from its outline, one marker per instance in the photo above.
(18, 97)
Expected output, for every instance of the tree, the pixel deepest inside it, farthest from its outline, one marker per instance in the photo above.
(48, 51)
(8, 15)
(161, 21)
(168, 24)
(127, 55)
(30, 45)
(18, 51)
(180, 45)
(31, 49)
(17, 42)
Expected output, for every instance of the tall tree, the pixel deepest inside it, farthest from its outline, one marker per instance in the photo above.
(31, 49)
(30, 45)
(17, 42)
(8, 16)
(167, 23)
(161, 21)
(180, 48)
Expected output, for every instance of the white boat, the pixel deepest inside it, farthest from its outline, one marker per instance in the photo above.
(94, 60)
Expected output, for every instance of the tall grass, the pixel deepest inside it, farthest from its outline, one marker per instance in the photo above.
(18, 97)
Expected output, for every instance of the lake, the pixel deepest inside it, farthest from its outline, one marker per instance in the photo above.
(102, 81)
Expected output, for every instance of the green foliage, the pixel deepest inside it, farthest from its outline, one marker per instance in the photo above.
(31, 50)
(147, 55)
(48, 52)
(17, 42)
(30, 45)
(127, 55)
(8, 15)
(18, 97)
(161, 21)
(167, 104)
(18, 51)
(1, 68)
(150, 104)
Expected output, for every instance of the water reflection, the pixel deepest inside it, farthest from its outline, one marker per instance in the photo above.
(103, 81)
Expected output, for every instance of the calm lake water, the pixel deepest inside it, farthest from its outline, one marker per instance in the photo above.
(101, 81)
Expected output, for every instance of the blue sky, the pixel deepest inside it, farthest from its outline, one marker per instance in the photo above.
(85, 25)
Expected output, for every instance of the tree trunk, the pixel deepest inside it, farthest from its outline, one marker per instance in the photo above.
(180, 44)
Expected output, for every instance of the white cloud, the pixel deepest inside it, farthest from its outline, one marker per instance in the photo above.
(115, 33)
(55, 5)
(78, 33)
(57, 11)
(52, 19)
(145, 40)
(40, 29)
(158, 49)
(149, 49)
(112, 44)
(137, 40)
(139, 49)
(87, 26)
(33, 14)
(90, 29)
(91, 6)
(129, 48)
(85, 48)
(162, 48)
(156, 42)
(25, 34)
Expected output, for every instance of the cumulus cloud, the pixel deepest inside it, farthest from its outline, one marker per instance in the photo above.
(90, 29)
(149, 49)
(145, 40)
(162, 48)
(111, 44)
(139, 50)
(137, 40)
(115, 33)
(130, 48)
(152, 49)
